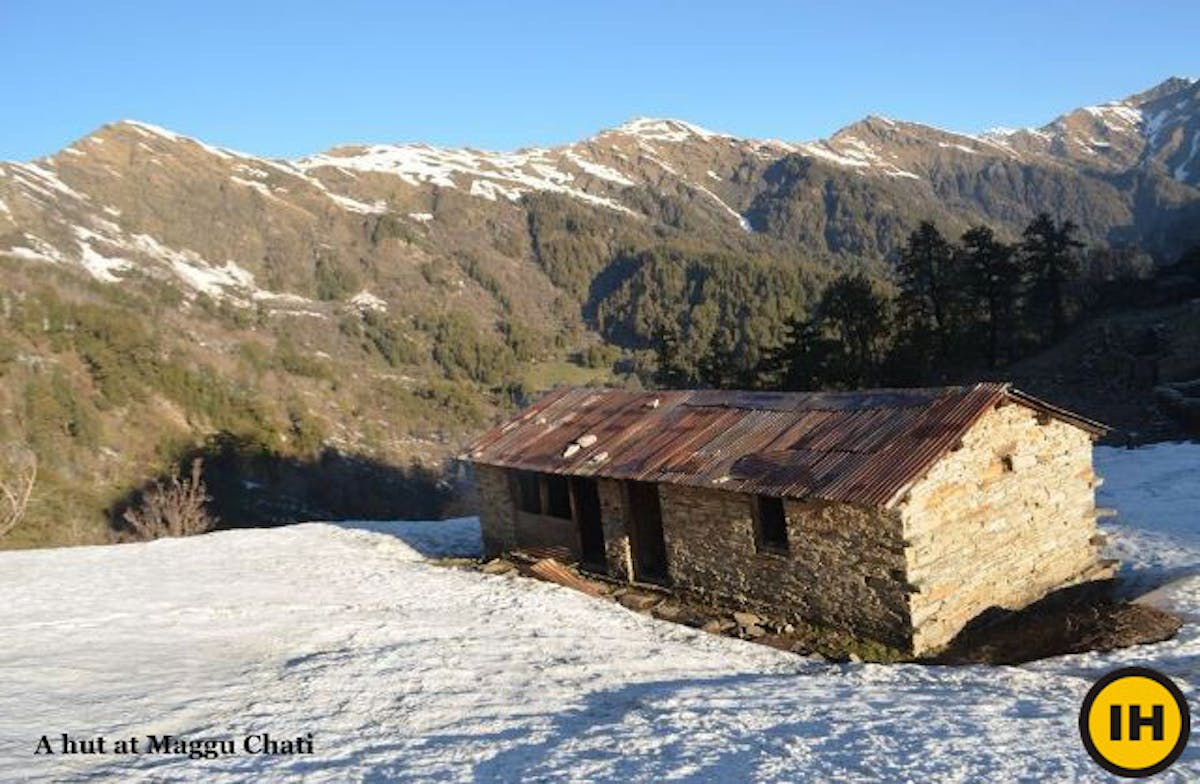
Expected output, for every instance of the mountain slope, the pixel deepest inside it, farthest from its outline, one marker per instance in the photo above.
(383, 301)
(1126, 171)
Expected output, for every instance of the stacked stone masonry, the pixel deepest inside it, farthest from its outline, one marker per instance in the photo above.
(999, 522)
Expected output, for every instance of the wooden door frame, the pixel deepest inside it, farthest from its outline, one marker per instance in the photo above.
(577, 518)
(631, 532)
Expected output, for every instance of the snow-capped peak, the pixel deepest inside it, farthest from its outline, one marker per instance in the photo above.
(665, 130)
(1118, 112)
(150, 130)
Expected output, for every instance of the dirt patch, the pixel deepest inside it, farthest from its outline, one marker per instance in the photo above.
(1041, 632)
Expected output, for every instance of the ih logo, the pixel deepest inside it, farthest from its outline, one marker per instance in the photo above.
(1134, 722)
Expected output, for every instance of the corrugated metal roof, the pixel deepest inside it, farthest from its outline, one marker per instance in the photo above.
(864, 447)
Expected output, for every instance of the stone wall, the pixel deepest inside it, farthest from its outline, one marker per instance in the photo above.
(844, 567)
(497, 514)
(1001, 521)
(505, 527)
(534, 530)
(616, 538)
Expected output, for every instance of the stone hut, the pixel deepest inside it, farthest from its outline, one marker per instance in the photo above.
(897, 515)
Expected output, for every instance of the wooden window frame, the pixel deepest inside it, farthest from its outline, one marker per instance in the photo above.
(539, 481)
(547, 506)
(519, 478)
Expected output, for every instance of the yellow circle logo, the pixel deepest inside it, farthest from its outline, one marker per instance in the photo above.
(1134, 722)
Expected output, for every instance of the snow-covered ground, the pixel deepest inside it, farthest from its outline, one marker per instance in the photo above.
(403, 670)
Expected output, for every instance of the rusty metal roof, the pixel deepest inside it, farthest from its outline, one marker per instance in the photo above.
(865, 447)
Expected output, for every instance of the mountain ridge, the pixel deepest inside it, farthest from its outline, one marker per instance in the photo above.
(1139, 138)
(383, 301)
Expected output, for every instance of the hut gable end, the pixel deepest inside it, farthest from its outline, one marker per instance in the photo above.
(1001, 521)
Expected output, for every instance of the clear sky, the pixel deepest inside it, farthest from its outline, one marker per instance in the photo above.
(287, 78)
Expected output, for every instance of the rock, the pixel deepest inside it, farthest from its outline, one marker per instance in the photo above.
(746, 619)
(753, 630)
(498, 566)
(788, 628)
(693, 619)
(668, 611)
(719, 626)
(854, 657)
(639, 602)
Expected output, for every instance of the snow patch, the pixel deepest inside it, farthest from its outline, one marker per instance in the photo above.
(742, 222)
(407, 670)
(378, 207)
(421, 217)
(194, 270)
(665, 130)
(824, 152)
(1181, 171)
(39, 250)
(251, 171)
(492, 175)
(365, 300)
(959, 147)
(1110, 113)
(102, 268)
(852, 152)
(149, 130)
(599, 170)
(41, 180)
(492, 191)
(261, 187)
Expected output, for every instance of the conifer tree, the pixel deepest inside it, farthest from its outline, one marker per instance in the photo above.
(720, 366)
(842, 345)
(927, 295)
(671, 371)
(858, 318)
(994, 283)
(1049, 252)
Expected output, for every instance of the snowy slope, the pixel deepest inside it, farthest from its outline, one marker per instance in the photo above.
(403, 670)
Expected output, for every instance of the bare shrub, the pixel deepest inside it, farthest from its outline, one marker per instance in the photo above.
(18, 475)
(174, 507)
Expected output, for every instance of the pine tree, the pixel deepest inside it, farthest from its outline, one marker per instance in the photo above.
(672, 369)
(800, 363)
(859, 319)
(720, 366)
(842, 345)
(1048, 249)
(994, 283)
(927, 296)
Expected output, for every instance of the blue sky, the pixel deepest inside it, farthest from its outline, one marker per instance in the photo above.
(296, 77)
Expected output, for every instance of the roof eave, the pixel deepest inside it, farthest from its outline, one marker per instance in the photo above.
(1097, 429)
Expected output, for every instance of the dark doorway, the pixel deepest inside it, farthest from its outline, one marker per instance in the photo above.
(585, 498)
(646, 533)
